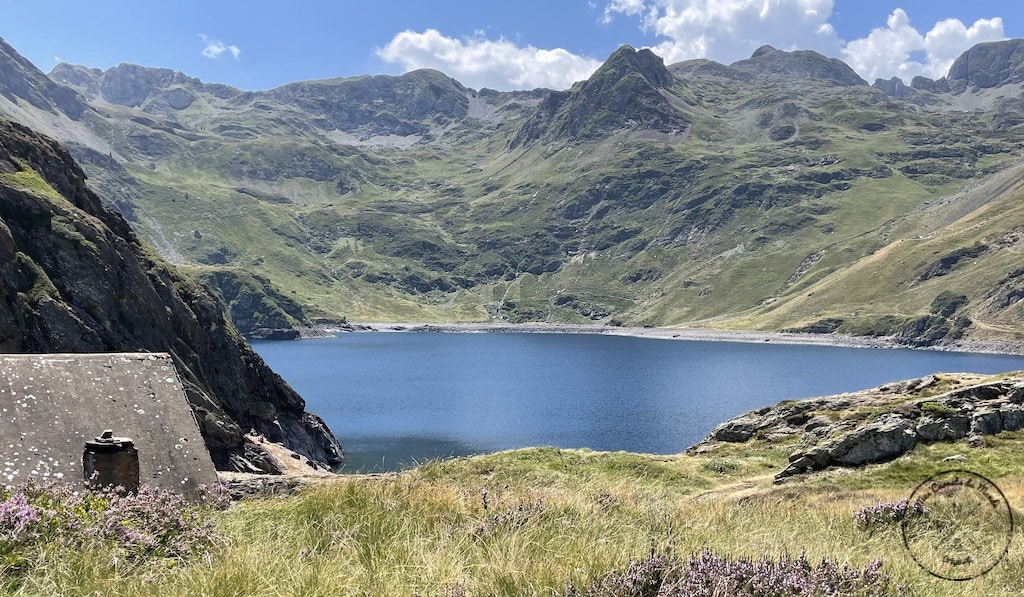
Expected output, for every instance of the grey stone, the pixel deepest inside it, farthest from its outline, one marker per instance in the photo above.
(1016, 393)
(798, 466)
(179, 98)
(1012, 416)
(877, 442)
(739, 429)
(820, 455)
(938, 429)
(986, 422)
(817, 422)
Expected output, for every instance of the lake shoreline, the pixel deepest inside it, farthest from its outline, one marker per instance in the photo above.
(672, 333)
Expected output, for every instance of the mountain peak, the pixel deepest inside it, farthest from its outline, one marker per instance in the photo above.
(628, 91)
(645, 62)
(764, 50)
(988, 65)
(137, 86)
(768, 62)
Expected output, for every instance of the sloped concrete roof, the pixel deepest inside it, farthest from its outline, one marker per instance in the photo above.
(51, 404)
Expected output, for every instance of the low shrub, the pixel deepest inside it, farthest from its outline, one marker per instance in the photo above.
(709, 574)
(134, 528)
(884, 514)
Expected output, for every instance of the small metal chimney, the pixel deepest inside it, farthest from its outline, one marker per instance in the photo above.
(111, 461)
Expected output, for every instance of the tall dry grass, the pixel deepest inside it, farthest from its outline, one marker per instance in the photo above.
(529, 523)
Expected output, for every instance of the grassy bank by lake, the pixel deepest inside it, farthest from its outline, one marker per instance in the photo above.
(530, 522)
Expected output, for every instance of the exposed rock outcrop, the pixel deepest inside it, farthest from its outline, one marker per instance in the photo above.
(74, 277)
(378, 105)
(256, 307)
(152, 89)
(894, 87)
(842, 431)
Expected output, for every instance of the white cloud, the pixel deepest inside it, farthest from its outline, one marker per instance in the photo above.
(478, 62)
(626, 7)
(886, 50)
(722, 30)
(730, 30)
(214, 48)
(901, 50)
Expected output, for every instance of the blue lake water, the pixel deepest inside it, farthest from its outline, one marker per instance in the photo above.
(395, 399)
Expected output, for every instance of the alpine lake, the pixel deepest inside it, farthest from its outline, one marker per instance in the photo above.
(395, 400)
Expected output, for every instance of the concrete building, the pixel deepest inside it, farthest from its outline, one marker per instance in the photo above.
(52, 404)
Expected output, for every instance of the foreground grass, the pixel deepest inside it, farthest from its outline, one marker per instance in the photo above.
(530, 522)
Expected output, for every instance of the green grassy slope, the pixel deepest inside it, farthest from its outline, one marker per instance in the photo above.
(645, 195)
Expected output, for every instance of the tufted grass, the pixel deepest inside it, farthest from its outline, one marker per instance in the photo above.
(528, 522)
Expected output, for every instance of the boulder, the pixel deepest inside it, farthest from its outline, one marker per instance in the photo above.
(1012, 417)
(940, 429)
(883, 440)
(1015, 393)
(986, 422)
(739, 429)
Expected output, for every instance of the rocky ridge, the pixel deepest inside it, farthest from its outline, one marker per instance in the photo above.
(768, 62)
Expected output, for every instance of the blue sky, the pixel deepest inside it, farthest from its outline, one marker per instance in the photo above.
(500, 44)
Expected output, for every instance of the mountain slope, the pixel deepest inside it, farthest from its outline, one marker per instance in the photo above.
(959, 257)
(698, 193)
(75, 278)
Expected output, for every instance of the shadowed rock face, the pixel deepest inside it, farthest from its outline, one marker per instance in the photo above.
(20, 79)
(75, 278)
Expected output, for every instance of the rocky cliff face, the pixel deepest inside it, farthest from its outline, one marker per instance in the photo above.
(988, 65)
(378, 105)
(153, 89)
(75, 278)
